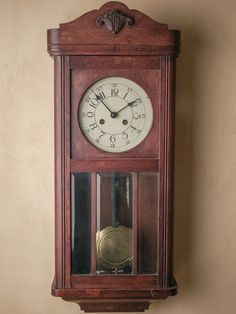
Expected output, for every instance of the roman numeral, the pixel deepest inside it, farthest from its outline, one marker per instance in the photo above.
(114, 91)
(101, 95)
(94, 103)
(126, 95)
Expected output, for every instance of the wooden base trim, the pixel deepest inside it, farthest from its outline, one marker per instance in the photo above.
(111, 294)
(111, 306)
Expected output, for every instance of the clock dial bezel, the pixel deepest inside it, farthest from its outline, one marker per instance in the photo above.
(115, 114)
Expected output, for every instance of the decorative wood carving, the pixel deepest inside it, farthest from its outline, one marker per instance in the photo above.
(115, 20)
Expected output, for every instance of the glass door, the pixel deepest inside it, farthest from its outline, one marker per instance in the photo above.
(114, 223)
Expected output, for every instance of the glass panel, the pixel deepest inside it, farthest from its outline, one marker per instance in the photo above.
(114, 223)
(81, 223)
(148, 187)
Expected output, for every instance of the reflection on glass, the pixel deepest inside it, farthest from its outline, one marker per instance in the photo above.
(81, 223)
(148, 187)
(114, 223)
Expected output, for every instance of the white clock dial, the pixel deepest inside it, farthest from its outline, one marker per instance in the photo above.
(115, 114)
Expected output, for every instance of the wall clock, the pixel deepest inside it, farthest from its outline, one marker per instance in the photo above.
(114, 134)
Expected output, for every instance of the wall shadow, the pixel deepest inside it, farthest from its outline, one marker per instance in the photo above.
(186, 102)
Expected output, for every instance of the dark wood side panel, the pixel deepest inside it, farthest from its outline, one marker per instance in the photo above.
(67, 173)
(59, 173)
(62, 172)
(167, 170)
(169, 214)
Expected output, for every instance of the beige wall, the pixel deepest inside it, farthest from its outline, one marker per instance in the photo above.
(205, 225)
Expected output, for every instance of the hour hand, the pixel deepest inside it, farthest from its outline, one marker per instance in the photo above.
(132, 102)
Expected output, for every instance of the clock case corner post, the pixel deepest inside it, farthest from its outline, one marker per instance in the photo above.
(168, 78)
(62, 171)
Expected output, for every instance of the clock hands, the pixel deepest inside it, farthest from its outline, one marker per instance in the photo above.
(113, 113)
(100, 99)
(130, 104)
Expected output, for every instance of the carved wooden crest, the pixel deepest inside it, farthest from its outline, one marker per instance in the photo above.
(115, 20)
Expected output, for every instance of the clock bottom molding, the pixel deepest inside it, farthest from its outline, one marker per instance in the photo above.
(115, 300)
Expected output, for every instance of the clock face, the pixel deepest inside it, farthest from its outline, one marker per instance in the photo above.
(115, 114)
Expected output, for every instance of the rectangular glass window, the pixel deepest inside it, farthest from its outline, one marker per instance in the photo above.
(118, 197)
(114, 223)
(81, 223)
(148, 193)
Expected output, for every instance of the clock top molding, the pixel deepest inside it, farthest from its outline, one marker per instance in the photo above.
(113, 29)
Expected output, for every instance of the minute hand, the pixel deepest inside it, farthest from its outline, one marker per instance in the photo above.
(100, 99)
(130, 104)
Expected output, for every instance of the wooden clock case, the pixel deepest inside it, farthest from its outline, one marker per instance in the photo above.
(85, 50)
